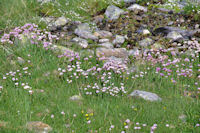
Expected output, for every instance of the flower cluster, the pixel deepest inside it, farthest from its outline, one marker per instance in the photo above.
(29, 32)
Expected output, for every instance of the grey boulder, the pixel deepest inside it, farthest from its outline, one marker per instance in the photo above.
(145, 95)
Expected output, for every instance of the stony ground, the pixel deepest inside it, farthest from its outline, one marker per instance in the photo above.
(133, 66)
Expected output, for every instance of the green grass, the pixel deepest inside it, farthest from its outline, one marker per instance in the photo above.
(17, 106)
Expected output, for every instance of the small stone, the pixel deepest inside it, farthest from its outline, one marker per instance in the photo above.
(84, 31)
(106, 45)
(38, 127)
(157, 46)
(145, 95)
(98, 19)
(136, 7)
(103, 40)
(20, 60)
(119, 39)
(182, 117)
(76, 98)
(103, 34)
(60, 49)
(146, 32)
(113, 12)
(175, 36)
(116, 52)
(134, 52)
(81, 42)
(170, 23)
(146, 42)
(3, 124)
(61, 22)
(197, 26)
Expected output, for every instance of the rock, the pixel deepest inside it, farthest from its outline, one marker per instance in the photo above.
(81, 42)
(113, 12)
(76, 98)
(3, 124)
(106, 45)
(98, 19)
(134, 52)
(119, 39)
(146, 32)
(165, 10)
(103, 40)
(146, 42)
(145, 95)
(84, 31)
(20, 60)
(116, 52)
(129, 1)
(38, 127)
(170, 23)
(136, 7)
(157, 46)
(45, 1)
(165, 30)
(197, 26)
(61, 21)
(103, 34)
(174, 36)
(183, 117)
(60, 49)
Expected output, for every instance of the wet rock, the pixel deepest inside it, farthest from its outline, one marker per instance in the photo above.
(106, 45)
(146, 42)
(103, 34)
(145, 95)
(116, 52)
(76, 98)
(103, 40)
(174, 36)
(113, 12)
(84, 31)
(119, 39)
(61, 21)
(136, 7)
(38, 127)
(81, 42)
